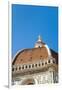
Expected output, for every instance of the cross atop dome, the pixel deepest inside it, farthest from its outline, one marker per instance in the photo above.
(39, 38)
(39, 42)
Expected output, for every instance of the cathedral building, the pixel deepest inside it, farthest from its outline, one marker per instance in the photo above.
(38, 65)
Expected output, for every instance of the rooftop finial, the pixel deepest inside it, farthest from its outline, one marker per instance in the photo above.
(39, 42)
(39, 38)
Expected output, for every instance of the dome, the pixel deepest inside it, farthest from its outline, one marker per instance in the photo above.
(28, 56)
(32, 55)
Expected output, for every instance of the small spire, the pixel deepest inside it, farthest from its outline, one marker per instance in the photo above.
(39, 42)
(39, 38)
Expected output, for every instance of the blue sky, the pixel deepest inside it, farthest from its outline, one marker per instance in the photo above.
(30, 21)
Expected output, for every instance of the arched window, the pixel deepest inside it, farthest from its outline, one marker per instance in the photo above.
(16, 68)
(53, 61)
(35, 65)
(19, 68)
(12, 69)
(32, 65)
(29, 66)
(39, 64)
(26, 66)
(39, 46)
(22, 67)
(48, 61)
(42, 63)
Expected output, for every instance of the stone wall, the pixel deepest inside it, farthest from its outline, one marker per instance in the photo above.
(39, 78)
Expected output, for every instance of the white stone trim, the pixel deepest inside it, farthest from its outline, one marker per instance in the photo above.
(17, 53)
(51, 60)
(31, 66)
(36, 82)
(49, 52)
(34, 65)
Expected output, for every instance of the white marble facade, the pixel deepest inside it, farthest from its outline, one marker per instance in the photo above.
(49, 76)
